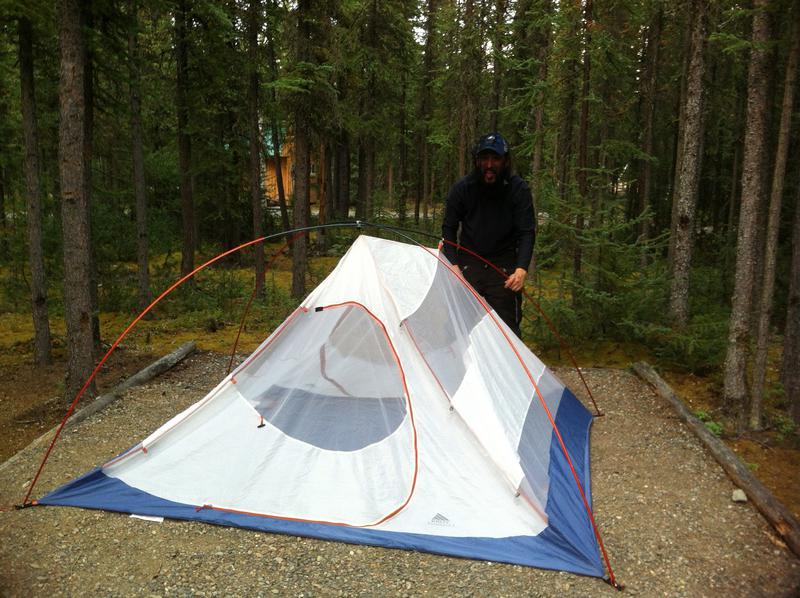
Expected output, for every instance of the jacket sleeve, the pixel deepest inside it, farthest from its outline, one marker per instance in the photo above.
(525, 219)
(451, 221)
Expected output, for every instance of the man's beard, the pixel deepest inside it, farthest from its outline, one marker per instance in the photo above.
(499, 179)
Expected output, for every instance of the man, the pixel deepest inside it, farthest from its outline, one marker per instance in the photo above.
(494, 210)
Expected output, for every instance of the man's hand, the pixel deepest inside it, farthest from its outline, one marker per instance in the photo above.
(516, 281)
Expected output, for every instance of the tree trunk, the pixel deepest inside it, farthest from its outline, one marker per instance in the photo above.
(323, 199)
(730, 228)
(735, 369)
(302, 156)
(184, 141)
(139, 183)
(343, 176)
(650, 80)
(472, 69)
(685, 196)
(362, 181)
(790, 373)
(426, 110)
(583, 141)
(41, 320)
(773, 223)
(538, 118)
(87, 23)
(369, 198)
(254, 170)
(675, 174)
(497, 65)
(74, 197)
(300, 207)
(564, 150)
(418, 192)
(4, 253)
(281, 190)
(390, 183)
(366, 177)
(762, 207)
(403, 155)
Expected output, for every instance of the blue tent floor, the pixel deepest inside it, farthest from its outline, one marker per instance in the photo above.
(662, 505)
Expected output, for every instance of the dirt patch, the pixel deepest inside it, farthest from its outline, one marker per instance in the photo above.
(776, 467)
(31, 397)
(662, 504)
(774, 457)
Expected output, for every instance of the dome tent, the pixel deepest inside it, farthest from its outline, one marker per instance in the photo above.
(392, 408)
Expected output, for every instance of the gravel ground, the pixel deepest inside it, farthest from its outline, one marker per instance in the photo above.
(663, 506)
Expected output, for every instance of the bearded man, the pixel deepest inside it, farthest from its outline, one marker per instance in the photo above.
(490, 213)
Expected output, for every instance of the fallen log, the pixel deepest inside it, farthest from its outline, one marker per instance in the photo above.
(156, 368)
(770, 507)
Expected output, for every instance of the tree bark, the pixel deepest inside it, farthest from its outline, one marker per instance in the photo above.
(730, 228)
(369, 198)
(497, 61)
(4, 254)
(790, 373)
(530, 42)
(302, 156)
(184, 140)
(426, 109)
(343, 175)
(362, 183)
(74, 198)
(403, 153)
(323, 197)
(41, 320)
(735, 369)
(87, 23)
(773, 224)
(583, 140)
(139, 181)
(254, 130)
(282, 204)
(538, 119)
(300, 208)
(675, 173)
(281, 189)
(650, 80)
(564, 150)
(685, 197)
(471, 69)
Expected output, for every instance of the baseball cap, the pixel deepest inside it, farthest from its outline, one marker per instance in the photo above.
(493, 142)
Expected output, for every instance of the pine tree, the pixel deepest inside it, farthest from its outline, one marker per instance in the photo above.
(184, 139)
(74, 198)
(690, 151)
(137, 154)
(39, 302)
(771, 245)
(735, 369)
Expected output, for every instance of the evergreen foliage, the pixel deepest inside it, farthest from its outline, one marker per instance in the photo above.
(405, 87)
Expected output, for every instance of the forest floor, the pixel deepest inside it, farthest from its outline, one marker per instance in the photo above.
(31, 403)
(662, 504)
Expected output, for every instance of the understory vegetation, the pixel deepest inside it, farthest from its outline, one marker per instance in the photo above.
(614, 316)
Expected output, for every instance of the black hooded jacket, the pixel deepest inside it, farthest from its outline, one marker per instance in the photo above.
(497, 222)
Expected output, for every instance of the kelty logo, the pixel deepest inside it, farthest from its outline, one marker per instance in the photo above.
(440, 520)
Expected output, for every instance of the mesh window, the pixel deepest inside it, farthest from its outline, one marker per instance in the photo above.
(441, 327)
(330, 379)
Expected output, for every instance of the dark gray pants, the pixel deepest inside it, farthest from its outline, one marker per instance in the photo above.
(489, 283)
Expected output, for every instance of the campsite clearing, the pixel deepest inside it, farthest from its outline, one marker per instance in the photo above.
(663, 505)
